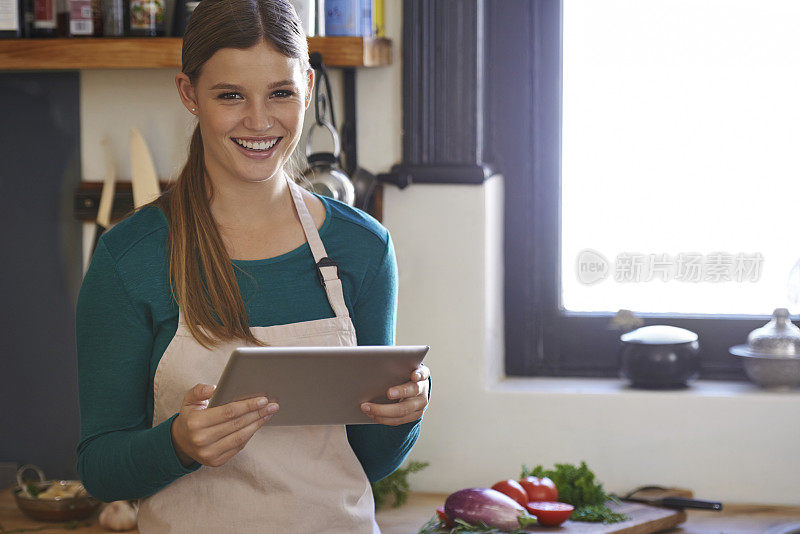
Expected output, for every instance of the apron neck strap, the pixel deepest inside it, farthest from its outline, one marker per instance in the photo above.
(327, 268)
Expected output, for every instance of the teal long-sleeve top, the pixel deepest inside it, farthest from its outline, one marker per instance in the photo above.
(126, 317)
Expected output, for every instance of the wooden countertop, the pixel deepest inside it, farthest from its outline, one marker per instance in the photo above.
(734, 519)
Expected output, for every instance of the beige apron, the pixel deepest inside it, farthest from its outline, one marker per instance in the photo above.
(287, 479)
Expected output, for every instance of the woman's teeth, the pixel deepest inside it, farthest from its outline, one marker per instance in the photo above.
(260, 145)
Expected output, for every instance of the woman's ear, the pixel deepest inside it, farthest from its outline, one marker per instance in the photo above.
(309, 85)
(186, 91)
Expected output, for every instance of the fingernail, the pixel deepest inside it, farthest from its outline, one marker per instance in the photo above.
(272, 408)
(207, 389)
(365, 407)
(262, 401)
(392, 393)
(417, 376)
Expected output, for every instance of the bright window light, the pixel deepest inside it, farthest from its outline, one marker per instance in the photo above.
(681, 156)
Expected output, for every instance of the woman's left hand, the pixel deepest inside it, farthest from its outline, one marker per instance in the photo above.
(413, 400)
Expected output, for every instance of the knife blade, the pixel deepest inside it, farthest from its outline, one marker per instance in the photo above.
(103, 220)
(143, 173)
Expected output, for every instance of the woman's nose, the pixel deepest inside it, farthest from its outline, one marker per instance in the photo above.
(259, 117)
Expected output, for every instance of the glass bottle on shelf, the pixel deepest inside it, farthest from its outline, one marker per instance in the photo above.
(85, 18)
(45, 18)
(63, 18)
(180, 17)
(147, 18)
(114, 16)
(27, 18)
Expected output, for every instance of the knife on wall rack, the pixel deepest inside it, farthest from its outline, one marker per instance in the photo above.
(103, 220)
(143, 172)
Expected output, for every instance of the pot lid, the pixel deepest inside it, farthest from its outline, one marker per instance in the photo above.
(659, 335)
(779, 337)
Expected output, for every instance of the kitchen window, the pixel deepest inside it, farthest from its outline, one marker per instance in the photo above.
(660, 174)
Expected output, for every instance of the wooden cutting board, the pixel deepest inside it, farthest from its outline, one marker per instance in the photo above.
(644, 519)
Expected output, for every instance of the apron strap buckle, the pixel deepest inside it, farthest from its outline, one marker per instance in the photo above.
(326, 262)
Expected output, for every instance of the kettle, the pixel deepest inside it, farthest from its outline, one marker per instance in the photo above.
(323, 171)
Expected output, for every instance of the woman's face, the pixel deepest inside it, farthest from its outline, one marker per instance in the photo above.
(255, 97)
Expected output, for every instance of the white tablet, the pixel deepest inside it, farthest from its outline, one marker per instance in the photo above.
(317, 385)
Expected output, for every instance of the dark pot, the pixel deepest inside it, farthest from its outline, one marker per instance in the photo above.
(659, 357)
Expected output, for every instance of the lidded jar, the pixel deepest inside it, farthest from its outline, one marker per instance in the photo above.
(771, 357)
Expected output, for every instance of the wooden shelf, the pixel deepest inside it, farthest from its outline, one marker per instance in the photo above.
(164, 52)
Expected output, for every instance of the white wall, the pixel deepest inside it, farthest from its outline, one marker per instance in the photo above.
(725, 441)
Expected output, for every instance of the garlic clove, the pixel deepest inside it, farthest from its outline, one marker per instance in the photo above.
(118, 516)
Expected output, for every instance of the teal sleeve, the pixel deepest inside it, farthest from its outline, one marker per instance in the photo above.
(119, 455)
(380, 448)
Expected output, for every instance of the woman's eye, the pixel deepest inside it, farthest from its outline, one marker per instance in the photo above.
(225, 96)
(283, 93)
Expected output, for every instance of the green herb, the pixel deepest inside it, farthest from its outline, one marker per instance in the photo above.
(395, 485)
(436, 526)
(577, 486)
(597, 513)
(33, 489)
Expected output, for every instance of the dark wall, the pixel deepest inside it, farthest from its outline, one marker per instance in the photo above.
(40, 270)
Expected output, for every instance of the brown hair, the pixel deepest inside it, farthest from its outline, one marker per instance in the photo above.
(202, 278)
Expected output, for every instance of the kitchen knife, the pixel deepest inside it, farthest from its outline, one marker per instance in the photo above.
(680, 503)
(676, 498)
(103, 220)
(143, 172)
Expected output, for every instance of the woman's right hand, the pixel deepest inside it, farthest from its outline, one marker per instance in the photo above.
(212, 436)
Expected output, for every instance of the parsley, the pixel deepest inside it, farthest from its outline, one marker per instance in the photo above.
(597, 513)
(577, 486)
(33, 490)
(395, 485)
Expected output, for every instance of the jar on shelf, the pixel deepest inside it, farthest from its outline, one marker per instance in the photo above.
(85, 18)
(45, 18)
(114, 15)
(147, 18)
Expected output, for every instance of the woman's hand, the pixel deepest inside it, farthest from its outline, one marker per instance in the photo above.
(212, 436)
(413, 400)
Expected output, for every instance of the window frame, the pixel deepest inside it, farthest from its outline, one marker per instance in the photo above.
(542, 338)
(474, 74)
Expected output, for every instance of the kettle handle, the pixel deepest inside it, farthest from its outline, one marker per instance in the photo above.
(333, 133)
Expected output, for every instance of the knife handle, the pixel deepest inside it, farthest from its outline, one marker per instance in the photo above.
(681, 502)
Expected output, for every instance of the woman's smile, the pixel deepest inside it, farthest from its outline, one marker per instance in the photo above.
(258, 149)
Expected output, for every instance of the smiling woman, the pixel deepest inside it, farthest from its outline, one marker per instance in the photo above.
(250, 104)
(233, 254)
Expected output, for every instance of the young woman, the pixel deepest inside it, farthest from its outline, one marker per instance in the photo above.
(230, 256)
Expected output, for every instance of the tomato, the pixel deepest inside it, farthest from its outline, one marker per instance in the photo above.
(513, 490)
(443, 517)
(539, 489)
(550, 514)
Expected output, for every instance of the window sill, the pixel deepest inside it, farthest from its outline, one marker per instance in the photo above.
(616, 386)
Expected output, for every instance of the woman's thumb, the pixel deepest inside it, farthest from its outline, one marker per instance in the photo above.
(203, 391)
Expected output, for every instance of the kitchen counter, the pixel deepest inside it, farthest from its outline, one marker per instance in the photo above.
(734, 519)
